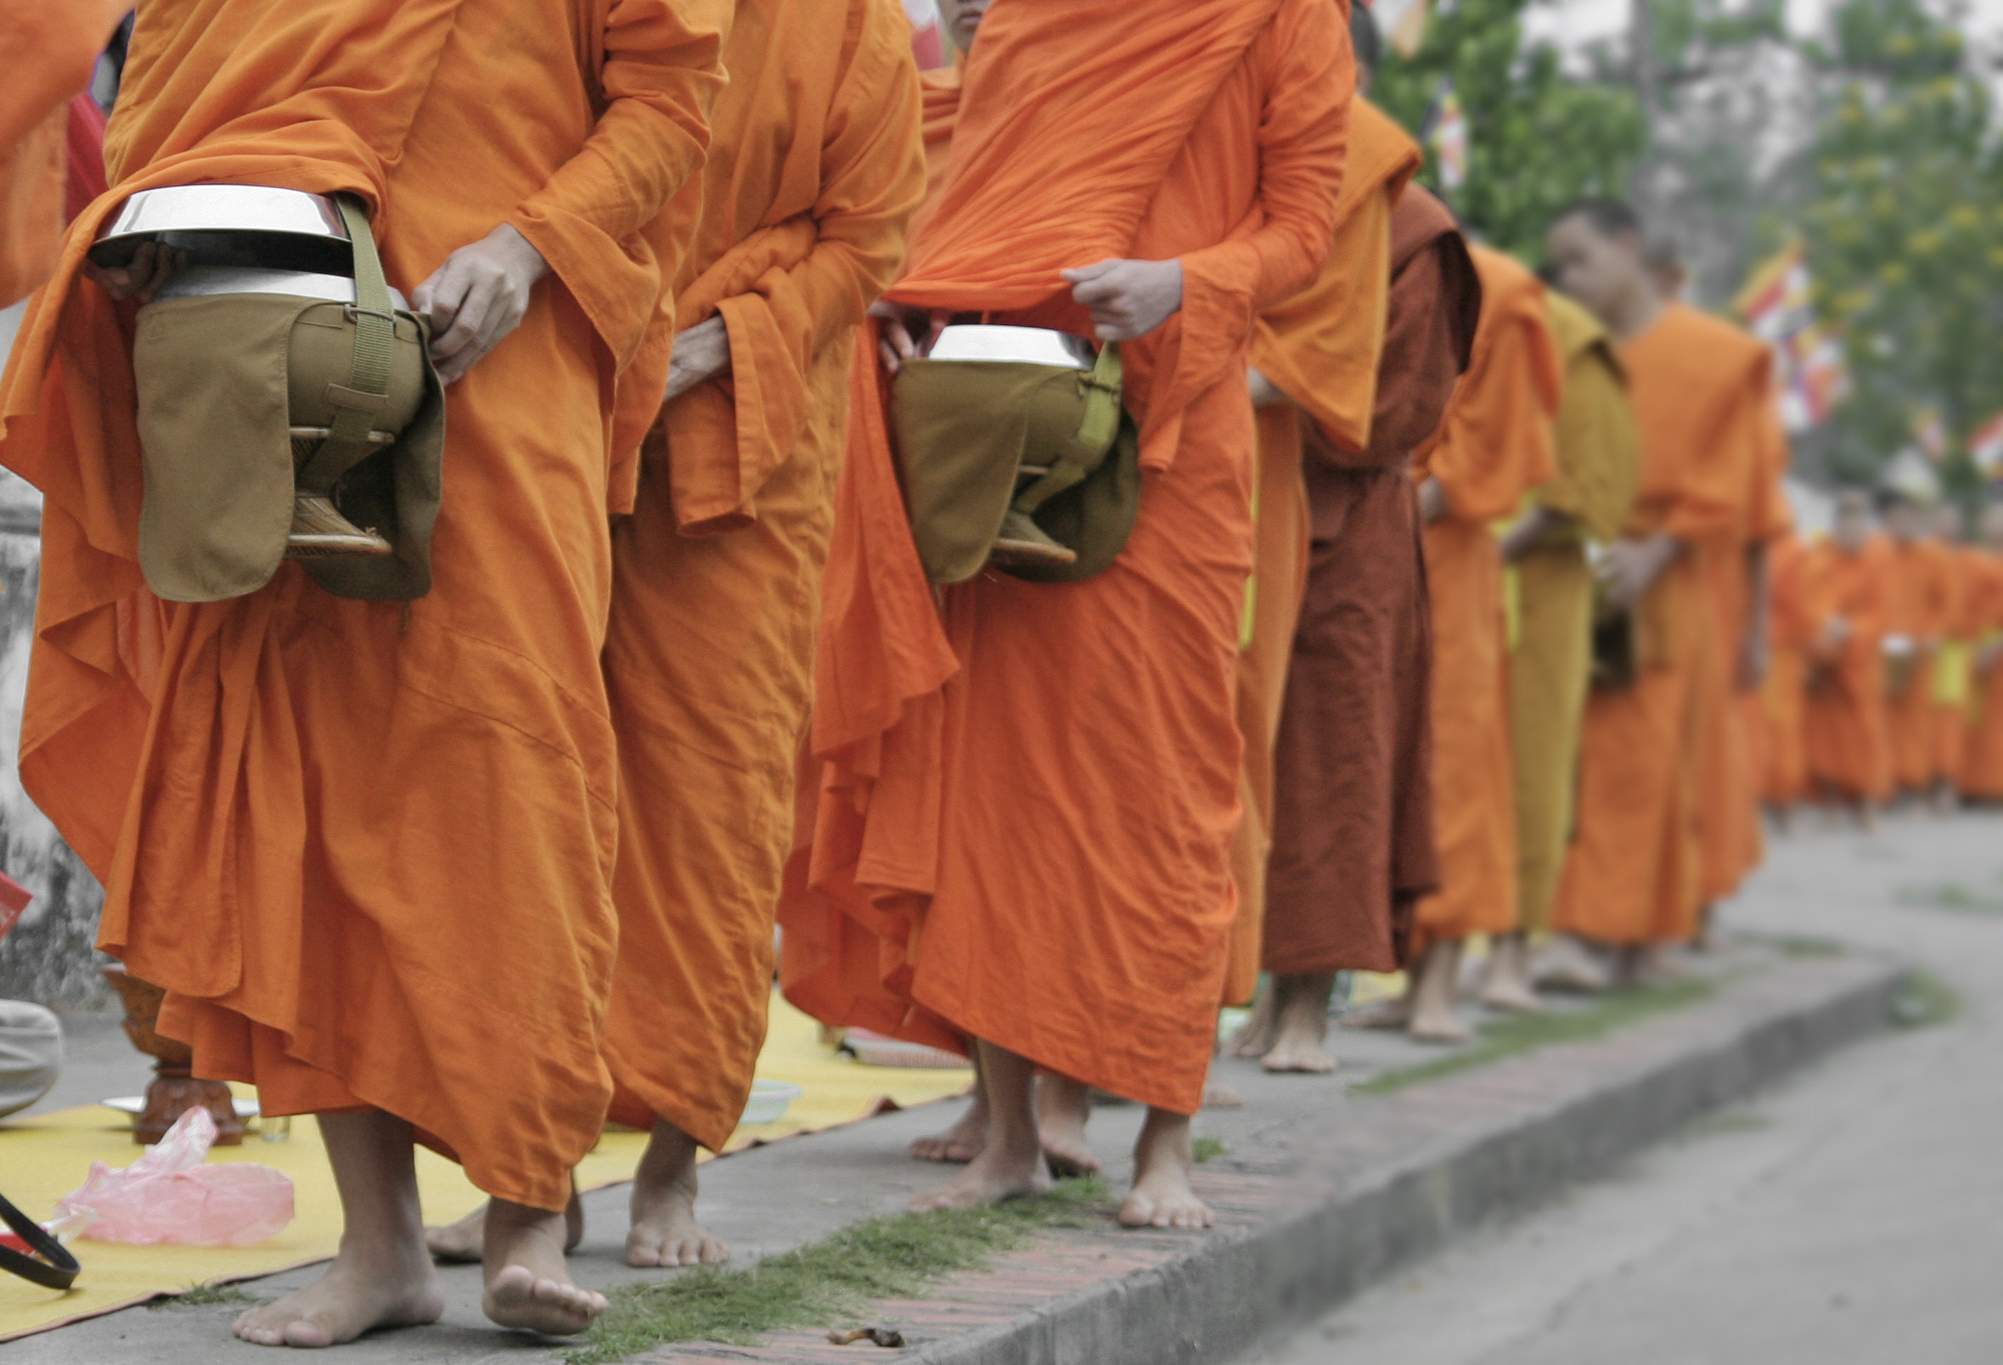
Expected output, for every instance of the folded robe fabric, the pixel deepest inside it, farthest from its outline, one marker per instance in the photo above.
(369, 853)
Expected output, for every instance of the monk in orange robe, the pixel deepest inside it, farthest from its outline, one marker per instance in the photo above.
(50, 50)
(1796, 619)
(1917, 619)
(1499, 443)
(1049, 875)
(1314, 382)
(1729, 823)
(367, 847)
(1635, 879)
(1982, 775)
(716, 573)
(1953, 693)
(1850, 754)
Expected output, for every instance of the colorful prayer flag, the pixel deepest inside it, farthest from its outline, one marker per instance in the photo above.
(1986, 446)
(1778, 306)
(1449, 138)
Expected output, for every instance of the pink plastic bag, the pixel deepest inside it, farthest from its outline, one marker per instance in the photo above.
(169, 1196)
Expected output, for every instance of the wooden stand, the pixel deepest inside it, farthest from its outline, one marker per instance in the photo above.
(174, 1089)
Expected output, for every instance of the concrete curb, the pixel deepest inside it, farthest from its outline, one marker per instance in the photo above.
(1521, 1132)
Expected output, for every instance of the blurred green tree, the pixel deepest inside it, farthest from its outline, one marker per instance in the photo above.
(1538, 138)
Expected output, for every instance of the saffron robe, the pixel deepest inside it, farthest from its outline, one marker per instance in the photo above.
(1982, 778)
(367, 847)
(1499, 444)
(1353, 845)
(716, 575)
(1849, 739)
(1710, 469)
(1795, 620)
(1550, 667)
(1321, 349)
(1051, 874)
(1953, 671)
(1921, 609)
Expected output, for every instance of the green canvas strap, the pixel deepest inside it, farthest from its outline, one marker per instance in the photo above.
(1101, 422)
(1097, 429)
(359, 403)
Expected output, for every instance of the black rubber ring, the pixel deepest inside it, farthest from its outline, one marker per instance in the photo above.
(51, 1266)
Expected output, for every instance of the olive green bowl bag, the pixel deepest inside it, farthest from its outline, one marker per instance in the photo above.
(975, 438)
(244, 398)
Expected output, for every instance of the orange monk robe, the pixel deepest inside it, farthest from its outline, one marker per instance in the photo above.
(1982, 776)
(716, 575)
(1794, 621)
(1920, 609)
(1321, 349)
(1052, 875)
(367, 849)
(50, 49)
(939, 110)
(1551, 656)
(1636, 873)
(1500, 443)
(1353, 846)
(1953, 680)
(1849, 742)
(1729, 813)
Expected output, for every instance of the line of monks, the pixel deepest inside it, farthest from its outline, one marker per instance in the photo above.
(1444, 617)
(1885, 680)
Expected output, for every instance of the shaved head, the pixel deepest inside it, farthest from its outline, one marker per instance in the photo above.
(1595, 252)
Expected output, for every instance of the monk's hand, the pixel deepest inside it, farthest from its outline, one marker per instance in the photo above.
(1629, 569)
(477, 297)
(898, 332)
(702, 352)
(1433, 501)
(1127, 299)
(151, 266)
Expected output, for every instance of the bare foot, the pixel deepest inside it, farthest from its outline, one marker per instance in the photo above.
(1162, 1196)
(1300, 1027)
(1218, 1095)
(1062, 1108)
(358, 1294)
(665, 1231)
(962, 1142)
(1383, 1015)
(1438, 1026)
(1511, 997)
(1255, 1036)
(1003, 1171)
(463, 1242)
(1567, 967)
(528, 1285)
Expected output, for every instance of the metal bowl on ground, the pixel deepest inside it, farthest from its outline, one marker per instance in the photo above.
(769, 1102)
(231, 225)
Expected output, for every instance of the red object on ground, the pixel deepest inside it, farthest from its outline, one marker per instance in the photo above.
(14, 898)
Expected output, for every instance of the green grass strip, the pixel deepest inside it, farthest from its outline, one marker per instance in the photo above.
(1954, 896)
(1521, 1033)
(207, 1296)
(1924, 1001)
(830, 1283)
(1207, 1149)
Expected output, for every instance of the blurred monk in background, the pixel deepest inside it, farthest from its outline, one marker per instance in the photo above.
(1796, 619)
(1499, 443)
(366, 847)
(1353, 845)
(1953, 669)
(1917, 616)
(1551, 663)
(1689, 571)
(1982, 780)
(1849, 743)
(1314, 383)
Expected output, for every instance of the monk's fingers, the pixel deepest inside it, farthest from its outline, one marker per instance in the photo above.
(1096, 291)
(113, 280)
(1085, 273)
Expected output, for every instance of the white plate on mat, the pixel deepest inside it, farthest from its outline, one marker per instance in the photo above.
(136, 1105)
(769, 1102)
(873, 1049)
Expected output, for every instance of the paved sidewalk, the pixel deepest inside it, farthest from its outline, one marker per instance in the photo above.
(1321, 1191)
